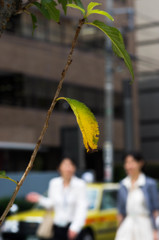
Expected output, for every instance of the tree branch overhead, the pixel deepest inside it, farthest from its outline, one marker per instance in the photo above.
(8, 8)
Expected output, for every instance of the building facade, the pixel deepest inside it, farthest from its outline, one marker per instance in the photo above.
(147, 55)
(30, 69)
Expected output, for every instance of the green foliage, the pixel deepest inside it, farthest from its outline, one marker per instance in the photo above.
(52, 11)
(111, 32)
(34, 21)
(48, 9)
(77, 7)
(117, 42)
(91, 5)
(90, 10)
(3, 175)
(79, 3)
(65, 2)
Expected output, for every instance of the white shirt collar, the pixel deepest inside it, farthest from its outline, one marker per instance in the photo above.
(139, 182)
(73, 179)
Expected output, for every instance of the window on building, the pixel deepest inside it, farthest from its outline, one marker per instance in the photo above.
(11, 89)
(14, 25)
(120, 2)
(91, 38)
(49, 31)
(31, 92)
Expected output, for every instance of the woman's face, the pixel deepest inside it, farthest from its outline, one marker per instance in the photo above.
(67, 168)
(132, 166)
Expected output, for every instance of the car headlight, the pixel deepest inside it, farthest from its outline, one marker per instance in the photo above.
(10, 226)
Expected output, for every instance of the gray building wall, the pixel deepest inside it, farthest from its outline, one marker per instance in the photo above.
(149, 116)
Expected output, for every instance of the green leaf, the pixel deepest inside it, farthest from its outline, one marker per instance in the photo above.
(97, 11)
(50, 6)
(90, 10)
(48, 9)
(42, 10)
(65, 2)
(91, 5)
(117, 42)
(79, 3)
(87, 123)
(64, 5)
(3, 175)
(76, 7)
(34, 22)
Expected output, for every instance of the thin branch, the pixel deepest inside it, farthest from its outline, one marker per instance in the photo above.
(25, 6)
(32, 159)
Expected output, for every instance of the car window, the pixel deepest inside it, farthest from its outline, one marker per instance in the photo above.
(109, 199)
(92, 195)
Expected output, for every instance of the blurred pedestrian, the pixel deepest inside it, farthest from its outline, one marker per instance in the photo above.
(138, 202)
(67, 196)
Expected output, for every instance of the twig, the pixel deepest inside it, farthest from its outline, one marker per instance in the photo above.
(32, 159)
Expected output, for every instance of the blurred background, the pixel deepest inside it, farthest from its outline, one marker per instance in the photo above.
(128, 116)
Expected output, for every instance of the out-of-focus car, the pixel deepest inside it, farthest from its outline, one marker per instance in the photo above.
(100, 224)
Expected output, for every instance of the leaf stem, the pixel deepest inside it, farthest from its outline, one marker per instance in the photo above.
(46, 123)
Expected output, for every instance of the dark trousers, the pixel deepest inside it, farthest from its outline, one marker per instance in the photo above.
(60, 233)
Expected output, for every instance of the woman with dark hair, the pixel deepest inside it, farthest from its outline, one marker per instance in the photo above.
(67, 196)
(138, 202)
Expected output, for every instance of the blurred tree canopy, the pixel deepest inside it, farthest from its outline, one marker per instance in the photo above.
(8, 8)
(49, 9)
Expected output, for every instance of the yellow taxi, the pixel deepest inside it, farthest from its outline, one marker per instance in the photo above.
(100, 224)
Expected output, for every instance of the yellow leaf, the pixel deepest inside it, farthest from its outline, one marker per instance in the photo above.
(87, 123)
